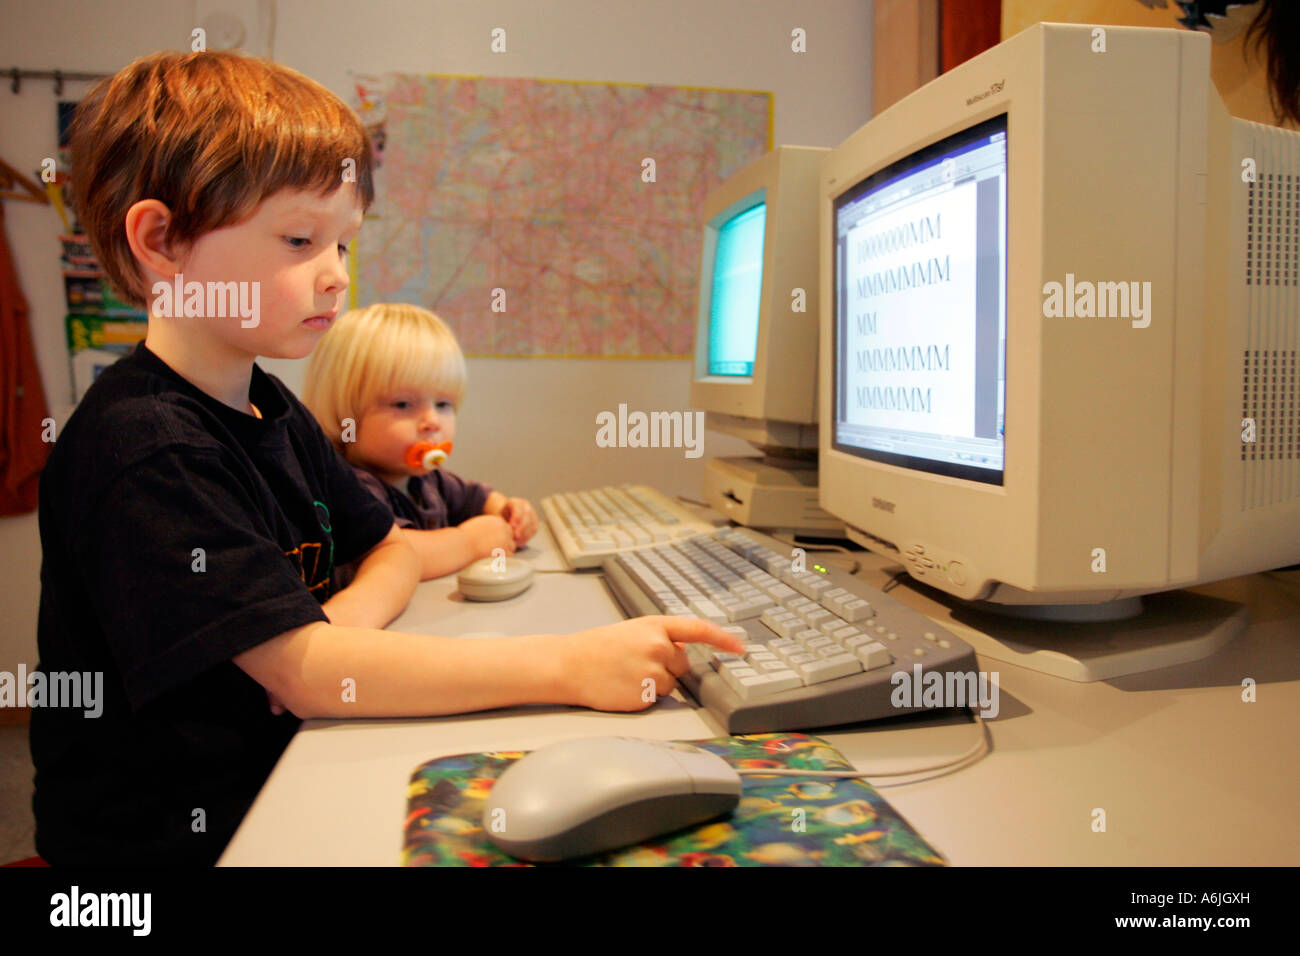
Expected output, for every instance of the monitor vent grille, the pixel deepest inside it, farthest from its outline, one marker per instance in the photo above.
(1270, 400)
(1272, 227)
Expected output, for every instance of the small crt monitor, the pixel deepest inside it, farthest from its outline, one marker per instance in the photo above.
(755, 357)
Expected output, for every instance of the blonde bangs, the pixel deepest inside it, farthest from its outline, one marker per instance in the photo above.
(372, 352)
(424, 354)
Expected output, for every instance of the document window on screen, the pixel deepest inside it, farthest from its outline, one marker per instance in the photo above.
(920, 309)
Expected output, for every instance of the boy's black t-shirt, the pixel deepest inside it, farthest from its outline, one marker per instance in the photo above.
(177, 532)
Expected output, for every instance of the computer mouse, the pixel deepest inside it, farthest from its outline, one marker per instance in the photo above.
(481, 581)
(595, 794)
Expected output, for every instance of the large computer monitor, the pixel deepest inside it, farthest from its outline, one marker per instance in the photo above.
(755, 365)
(1060, 321)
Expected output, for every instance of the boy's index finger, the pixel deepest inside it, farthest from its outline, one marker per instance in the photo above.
(688, 630)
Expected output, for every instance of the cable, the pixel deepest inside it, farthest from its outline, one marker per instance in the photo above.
(980, 745)
(895, 579)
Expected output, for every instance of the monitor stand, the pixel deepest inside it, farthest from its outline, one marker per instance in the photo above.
(769, 493)
(1174, 627)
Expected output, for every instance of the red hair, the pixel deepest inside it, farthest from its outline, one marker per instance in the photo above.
(210, 135)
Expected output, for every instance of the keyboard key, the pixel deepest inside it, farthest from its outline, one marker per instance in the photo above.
(744, 610)
(740, 681)
(836, 604)
(779, 592)
(828, 668)
(765, 685)
(858, 610)
(873, 655)
(778, 681)
(785, 627)
(708, 610)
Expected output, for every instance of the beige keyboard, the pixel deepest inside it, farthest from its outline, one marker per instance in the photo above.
(822, 647)
(590, 526)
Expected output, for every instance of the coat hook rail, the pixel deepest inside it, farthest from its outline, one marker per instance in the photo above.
(16, 77)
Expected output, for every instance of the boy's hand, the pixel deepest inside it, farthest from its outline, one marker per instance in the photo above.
(628, 666)
(486, 533)
(522, 518)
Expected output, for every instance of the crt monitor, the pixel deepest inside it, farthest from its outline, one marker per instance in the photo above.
(755, 363)
(1060, 317)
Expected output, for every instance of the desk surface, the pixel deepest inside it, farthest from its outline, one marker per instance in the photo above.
(1186, 772)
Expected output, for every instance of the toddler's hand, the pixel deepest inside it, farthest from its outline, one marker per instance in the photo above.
(486, 533)
(522, 518)
(615, 667)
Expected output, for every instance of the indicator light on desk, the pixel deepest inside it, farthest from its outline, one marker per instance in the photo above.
(427, 455)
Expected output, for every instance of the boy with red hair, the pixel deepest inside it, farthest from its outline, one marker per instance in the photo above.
(192, 510)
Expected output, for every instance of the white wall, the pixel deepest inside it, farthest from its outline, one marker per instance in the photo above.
(528, 425)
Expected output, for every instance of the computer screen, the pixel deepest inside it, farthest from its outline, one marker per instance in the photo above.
(920, 308)
(736, 293)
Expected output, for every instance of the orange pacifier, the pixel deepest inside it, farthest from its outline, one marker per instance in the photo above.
(426, 455)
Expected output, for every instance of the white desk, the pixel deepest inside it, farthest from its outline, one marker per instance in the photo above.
(1187, 773)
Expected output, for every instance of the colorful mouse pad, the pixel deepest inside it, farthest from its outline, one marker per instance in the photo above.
(781, 821)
